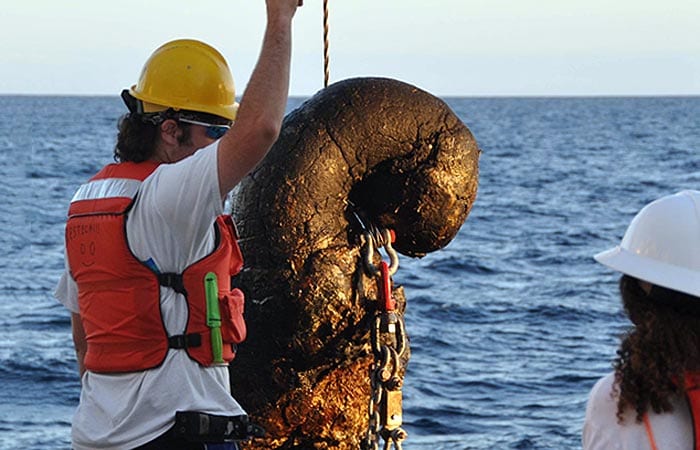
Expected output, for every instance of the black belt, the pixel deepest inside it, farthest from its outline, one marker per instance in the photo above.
(196, 426)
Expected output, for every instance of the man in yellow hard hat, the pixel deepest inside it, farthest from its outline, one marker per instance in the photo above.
(150, 253)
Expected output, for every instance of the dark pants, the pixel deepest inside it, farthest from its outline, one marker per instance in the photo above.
(169, 441)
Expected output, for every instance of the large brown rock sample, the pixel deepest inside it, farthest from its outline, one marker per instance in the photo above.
(400, 158)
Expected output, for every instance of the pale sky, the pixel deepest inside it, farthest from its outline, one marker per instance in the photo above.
(447, 47)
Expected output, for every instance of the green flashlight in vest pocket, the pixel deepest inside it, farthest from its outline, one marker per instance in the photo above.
(211, 290)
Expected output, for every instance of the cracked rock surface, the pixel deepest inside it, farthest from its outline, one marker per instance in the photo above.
(383, 150)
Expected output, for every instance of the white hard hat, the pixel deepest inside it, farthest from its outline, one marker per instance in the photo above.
(662, 244)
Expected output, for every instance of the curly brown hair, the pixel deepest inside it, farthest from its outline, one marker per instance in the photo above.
(659, 349)
(136, 141)
(137, 138)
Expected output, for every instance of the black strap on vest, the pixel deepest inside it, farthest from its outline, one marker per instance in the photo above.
(185, 340)
(174, 281)
(179, 341)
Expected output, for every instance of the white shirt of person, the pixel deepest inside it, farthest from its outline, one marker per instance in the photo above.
(601, 430)
(172, 224)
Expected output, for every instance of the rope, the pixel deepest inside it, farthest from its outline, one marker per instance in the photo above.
(326, 53)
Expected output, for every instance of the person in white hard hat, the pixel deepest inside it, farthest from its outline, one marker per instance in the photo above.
(652, 399)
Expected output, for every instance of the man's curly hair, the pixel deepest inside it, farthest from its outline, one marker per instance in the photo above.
(138, 138)
(658, 350)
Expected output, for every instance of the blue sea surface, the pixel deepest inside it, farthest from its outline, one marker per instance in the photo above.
(510, 324)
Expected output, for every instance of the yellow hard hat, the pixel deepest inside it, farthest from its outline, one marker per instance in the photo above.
(187, 74)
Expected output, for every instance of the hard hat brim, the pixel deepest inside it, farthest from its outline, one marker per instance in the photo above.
(653, 271)
(152, 104)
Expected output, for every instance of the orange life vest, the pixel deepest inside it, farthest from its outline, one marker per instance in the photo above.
(692, 394)
(119, 295)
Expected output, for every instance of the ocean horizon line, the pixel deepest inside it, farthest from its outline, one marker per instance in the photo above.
(443, 96)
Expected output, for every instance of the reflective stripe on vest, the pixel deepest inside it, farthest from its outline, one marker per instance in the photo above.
(114, 187)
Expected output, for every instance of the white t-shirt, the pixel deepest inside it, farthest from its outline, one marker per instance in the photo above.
(171, 223)
(601, 431)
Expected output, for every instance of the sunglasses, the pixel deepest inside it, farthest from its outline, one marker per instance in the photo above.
(213, 131)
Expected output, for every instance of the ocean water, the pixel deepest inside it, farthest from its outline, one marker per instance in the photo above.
(510, 324)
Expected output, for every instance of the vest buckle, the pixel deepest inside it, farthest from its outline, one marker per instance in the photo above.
(183, 341)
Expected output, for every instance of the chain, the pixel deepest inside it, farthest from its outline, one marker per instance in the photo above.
(326, 53)
(389, 342)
